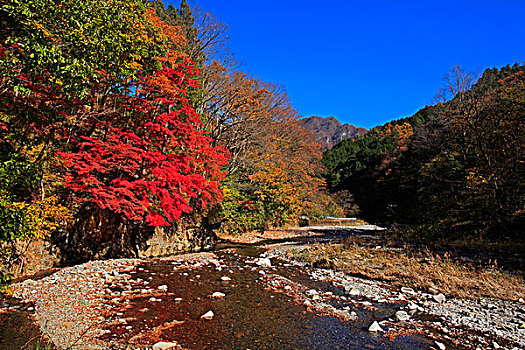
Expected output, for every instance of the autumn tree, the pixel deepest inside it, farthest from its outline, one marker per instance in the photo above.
(105, 86)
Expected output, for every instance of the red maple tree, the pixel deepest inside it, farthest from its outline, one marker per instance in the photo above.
(153, 160)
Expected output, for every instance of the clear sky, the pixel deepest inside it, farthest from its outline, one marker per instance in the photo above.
(367, 62)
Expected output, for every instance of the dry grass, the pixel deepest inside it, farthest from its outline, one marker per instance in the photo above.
(421, 270)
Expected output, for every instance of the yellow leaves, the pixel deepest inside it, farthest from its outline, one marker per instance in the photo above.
(43, 217)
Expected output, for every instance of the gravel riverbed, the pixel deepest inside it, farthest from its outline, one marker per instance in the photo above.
(84, 307)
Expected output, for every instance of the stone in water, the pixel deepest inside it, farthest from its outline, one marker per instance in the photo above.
(375, 327)
(208, 315)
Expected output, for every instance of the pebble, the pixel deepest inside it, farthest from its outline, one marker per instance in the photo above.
(226, 278)
(375, 327)
(163, 287)
(208, 315)
(440, 298)
(412, 306)
(402, 316)
(407, 290)
(164, 346)
(354, 291)
(264, 262)
(440, 346)
(218, 295)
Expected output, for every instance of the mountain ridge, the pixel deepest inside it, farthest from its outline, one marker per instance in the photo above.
(328, 131)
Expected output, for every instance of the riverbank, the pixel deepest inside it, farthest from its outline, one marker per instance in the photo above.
(260, 295)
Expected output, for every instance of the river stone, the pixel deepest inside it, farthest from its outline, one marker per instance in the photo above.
(440, 298)
(208, 315)
(264, 262)
(163, 288)
(402, 316)
(375, 327)
(226, 278)
(354, 291)
(412, 306)
(164, 346)
(218, 295)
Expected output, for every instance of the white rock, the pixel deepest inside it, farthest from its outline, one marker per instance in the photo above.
(178, 300)
(312, 292)
(375, 327)
(441, 346)
(226, 278)
(412, 306)
(208, 315)
(353, 316)
(264, 262)
(163, 287)
(354, 291)
(402, 316)
(218, 295)
(440, 298)
(496, 345)
(164, 346)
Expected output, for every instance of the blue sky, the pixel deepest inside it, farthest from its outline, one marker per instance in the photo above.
(367, 62)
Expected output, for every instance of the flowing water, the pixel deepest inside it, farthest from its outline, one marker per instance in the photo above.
(251, 315)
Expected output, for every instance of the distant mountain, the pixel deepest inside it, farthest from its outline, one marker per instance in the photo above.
(329, 131)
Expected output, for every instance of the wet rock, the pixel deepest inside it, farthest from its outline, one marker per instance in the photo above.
(208, 315)
(439, 298)
(402, 316)
(375, 327)
(164, 346)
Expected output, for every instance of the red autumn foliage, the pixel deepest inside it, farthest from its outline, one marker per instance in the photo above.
(153, 161)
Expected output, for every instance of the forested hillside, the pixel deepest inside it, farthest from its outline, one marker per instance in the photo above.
(454, 169)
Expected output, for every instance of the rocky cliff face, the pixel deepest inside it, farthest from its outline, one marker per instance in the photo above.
(329, 131)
